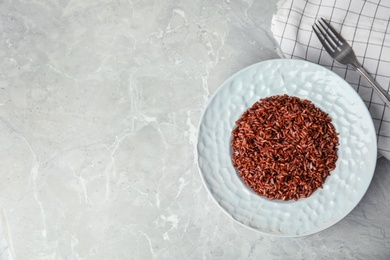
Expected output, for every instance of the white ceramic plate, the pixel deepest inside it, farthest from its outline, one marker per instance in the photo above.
(342, 190)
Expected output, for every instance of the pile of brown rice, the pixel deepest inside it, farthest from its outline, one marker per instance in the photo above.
(284, 147)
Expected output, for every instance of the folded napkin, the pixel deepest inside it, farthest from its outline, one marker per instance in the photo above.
(366, 27)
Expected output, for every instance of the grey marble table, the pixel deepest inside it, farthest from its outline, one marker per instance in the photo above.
(99, 107)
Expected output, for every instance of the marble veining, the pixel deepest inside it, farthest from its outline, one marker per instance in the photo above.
(99, 107)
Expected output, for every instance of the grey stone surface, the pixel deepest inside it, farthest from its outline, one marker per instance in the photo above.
(99, 107)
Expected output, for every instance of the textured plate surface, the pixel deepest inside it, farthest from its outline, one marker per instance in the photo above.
(342, 190)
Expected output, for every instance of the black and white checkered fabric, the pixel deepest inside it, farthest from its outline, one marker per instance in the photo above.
(365, 24)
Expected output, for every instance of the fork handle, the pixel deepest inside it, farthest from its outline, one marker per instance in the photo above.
(379, 90)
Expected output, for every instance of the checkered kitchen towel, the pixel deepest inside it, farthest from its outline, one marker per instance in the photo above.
(365, 24)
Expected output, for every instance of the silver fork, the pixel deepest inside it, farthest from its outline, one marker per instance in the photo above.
(342, 52)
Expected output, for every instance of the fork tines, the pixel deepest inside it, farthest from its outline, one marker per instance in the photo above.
(327, 35)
